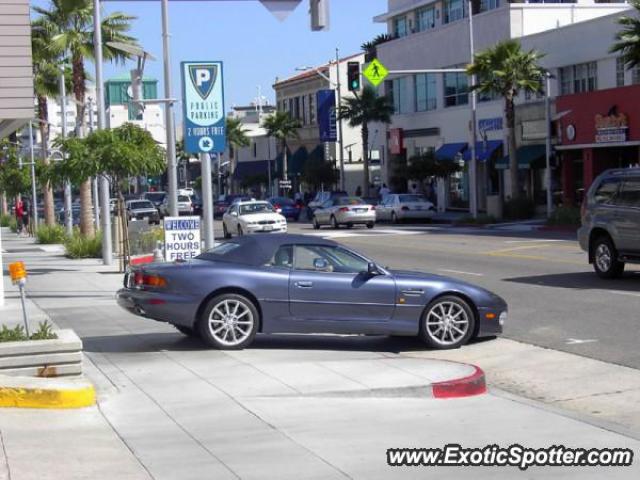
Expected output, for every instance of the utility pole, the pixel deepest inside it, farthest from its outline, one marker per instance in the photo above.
(473, 168)
(34, 192)
(68, 213)
(339, 120)
(169, 119)
(107, 249)
(547, 109)
(94, 183)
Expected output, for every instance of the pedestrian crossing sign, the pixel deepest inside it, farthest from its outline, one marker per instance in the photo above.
(376, 72)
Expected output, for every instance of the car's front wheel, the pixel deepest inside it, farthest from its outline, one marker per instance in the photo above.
(605, 259)
(229, 322)
(334, 223)
(448, 322)
(370, 225)
(316, 224)
(240, 231)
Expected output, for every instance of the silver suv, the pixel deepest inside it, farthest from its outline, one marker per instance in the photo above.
(610, 230)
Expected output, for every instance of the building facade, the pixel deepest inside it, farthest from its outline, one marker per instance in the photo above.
(432, 110)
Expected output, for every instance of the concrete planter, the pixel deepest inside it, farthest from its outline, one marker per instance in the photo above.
(43, 358)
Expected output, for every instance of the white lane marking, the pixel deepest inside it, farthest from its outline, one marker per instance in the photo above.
(631, 294)
(461, 272)
(535, 241)
(365, 233)
(578, 341)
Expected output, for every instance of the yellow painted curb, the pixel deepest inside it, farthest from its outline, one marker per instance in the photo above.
(30, 397)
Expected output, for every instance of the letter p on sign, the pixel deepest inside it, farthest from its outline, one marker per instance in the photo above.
(202, 76)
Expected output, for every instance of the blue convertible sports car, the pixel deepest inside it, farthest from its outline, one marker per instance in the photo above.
(283, 283)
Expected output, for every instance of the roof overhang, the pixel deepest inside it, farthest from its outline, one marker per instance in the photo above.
(598, 145)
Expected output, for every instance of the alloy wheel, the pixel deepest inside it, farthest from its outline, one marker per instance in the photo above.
(231, 322)
(603, 257)
(447, 323)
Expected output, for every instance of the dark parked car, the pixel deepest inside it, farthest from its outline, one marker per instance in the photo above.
(276, 283)
(288, 208)
(610, 230)
(142, 210)
(224, 201)
(155, 197)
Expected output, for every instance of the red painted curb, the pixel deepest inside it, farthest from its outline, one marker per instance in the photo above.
(141, 260)
(474, 384)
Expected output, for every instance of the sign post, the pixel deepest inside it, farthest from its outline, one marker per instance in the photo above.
(204, 126)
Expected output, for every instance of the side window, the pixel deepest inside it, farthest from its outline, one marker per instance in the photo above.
(328, 259)
(606, 192)
(311, 258)
(283, 258)
(327, 204)
(630, 194)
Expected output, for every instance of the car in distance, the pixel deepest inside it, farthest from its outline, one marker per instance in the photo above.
(397, 207)
(185, 206)
(321, 198)
(142, 210)
(224, 201)
(155, 197)
(305, 284)
(347, 211)
(286, 207)
(252, 217)
(610, 231)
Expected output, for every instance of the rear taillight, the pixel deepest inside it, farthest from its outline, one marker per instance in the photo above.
(276, 206)
(405, 208)
(141, 279)
(373, 207)
(298, 206)
(344, 209)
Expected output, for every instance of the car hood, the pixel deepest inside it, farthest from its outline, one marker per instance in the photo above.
(259, 217)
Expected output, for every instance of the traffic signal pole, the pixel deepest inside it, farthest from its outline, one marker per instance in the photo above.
(339, 119)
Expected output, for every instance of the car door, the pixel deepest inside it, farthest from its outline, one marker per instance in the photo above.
(232, 219)
(324, 211)
(388, 203)
(627, 216)
(329, 284)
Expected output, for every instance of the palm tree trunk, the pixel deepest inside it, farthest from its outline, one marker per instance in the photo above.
(365, 158)
(284, 161)
(47, 191)
(513, 155)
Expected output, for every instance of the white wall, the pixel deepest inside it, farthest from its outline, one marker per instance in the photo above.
(152, 121)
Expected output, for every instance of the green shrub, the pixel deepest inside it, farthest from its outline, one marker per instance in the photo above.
(565, 216)
(48, 234)
(520, 208)
(44, 332)
(147, 241)
(12, 334)
(78, 246)
(17, 334)
(482, 219)
(5, 220)
(13, 224)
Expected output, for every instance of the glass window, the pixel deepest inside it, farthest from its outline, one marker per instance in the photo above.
(140, 204)
(425, 92)
(486, 5)
(400, 27)
(455, 89)
(579, 78)
(283, 258)
(606, 192)
(425, 18)
(400, 95)
(619, 72)
(348, 201)
(412, 198)
(183, 198)
(630, 194)
(452, 10)
(566, 80)
(312, 110)
(318, 258)
(635, 75)
(258, 207)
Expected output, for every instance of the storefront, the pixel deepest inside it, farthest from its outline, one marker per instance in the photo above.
(597, 131)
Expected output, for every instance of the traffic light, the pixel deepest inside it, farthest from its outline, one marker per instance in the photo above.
(353, 76)
(319, 12)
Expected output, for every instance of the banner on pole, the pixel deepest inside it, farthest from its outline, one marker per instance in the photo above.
(326, 101)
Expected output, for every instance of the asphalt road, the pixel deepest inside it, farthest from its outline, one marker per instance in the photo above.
(555, 299)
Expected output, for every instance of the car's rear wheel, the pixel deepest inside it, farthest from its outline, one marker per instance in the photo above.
(349, 225)
(229, 322)
(370, 225)
(448, 322)
(225, 232)
(316, 224)
(605, 259)
(189, 332)
(334, 222)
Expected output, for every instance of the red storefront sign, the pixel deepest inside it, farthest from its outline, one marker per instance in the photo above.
(396, 144)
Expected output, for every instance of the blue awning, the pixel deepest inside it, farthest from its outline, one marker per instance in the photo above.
(483, 152)
(448, 151)
(528, 157)
(251, 169)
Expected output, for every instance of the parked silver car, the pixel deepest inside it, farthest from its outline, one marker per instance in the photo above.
(404, 206)
(185, 206)
(610, 230)
(347, 211)
(142, 210)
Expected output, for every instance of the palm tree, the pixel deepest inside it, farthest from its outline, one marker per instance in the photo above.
(628, 38)
(506, 70)
(362, 110)
(282, 127)
(74, 37)
(236, 138)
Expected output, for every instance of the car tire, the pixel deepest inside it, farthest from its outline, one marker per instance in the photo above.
(605, 259)
(448, 322)
(240, 232)
(316, 224)
(189, 332)
(370, 225)
(394, 217)
(221, 321)
(225, 232)
(334, 223)
(349, 225)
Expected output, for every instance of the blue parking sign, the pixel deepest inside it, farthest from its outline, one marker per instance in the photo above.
(203, 107)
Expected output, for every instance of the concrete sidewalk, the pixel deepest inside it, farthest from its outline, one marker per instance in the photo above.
(289, 407)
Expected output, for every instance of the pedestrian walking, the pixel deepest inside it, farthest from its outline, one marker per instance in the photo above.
(19, 214)
(359, 191)
(26, 215)
(384, 191)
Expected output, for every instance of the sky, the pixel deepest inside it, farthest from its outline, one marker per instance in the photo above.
(254, 46)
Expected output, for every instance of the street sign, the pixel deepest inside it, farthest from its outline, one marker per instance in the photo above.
(203, 107)
(181, 238)
(285, 183)
(376, 72)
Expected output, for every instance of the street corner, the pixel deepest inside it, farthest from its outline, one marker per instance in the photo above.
(46, 393)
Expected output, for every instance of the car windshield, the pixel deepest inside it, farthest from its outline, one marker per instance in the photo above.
(155, 197)
(183, 198)
(141, 204)
(411, 198)
(261, 207)
(349, 201)
(282, 201)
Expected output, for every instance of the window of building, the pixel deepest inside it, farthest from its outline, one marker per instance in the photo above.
(304, 113)
(400, 27)
(400, 95)
(456, 89)
(425, 92)
(296, 108)
(620, 72)
(486, 5)
(452, 10)
(635, 75)
(312, 110)
(579, 78)
(426, 18)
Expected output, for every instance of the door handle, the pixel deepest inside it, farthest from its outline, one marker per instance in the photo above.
(304, 284)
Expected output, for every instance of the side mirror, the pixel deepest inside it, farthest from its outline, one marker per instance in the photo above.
(234, 214)
(372, 269)
(320, 264)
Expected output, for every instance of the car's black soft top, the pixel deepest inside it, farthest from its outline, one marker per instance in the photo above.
(259, 248)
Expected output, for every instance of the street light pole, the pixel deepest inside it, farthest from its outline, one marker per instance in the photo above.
(34, 193)
(105, 214)
(68, 219)
(94, 183)
(168, 110)
(547, 102)
(473, 168)
(340, 136)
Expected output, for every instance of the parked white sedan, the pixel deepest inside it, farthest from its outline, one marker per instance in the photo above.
(252, 217)
(347, 211)
(404, 206)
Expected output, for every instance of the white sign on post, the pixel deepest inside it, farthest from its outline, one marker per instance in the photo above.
(181, 238)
